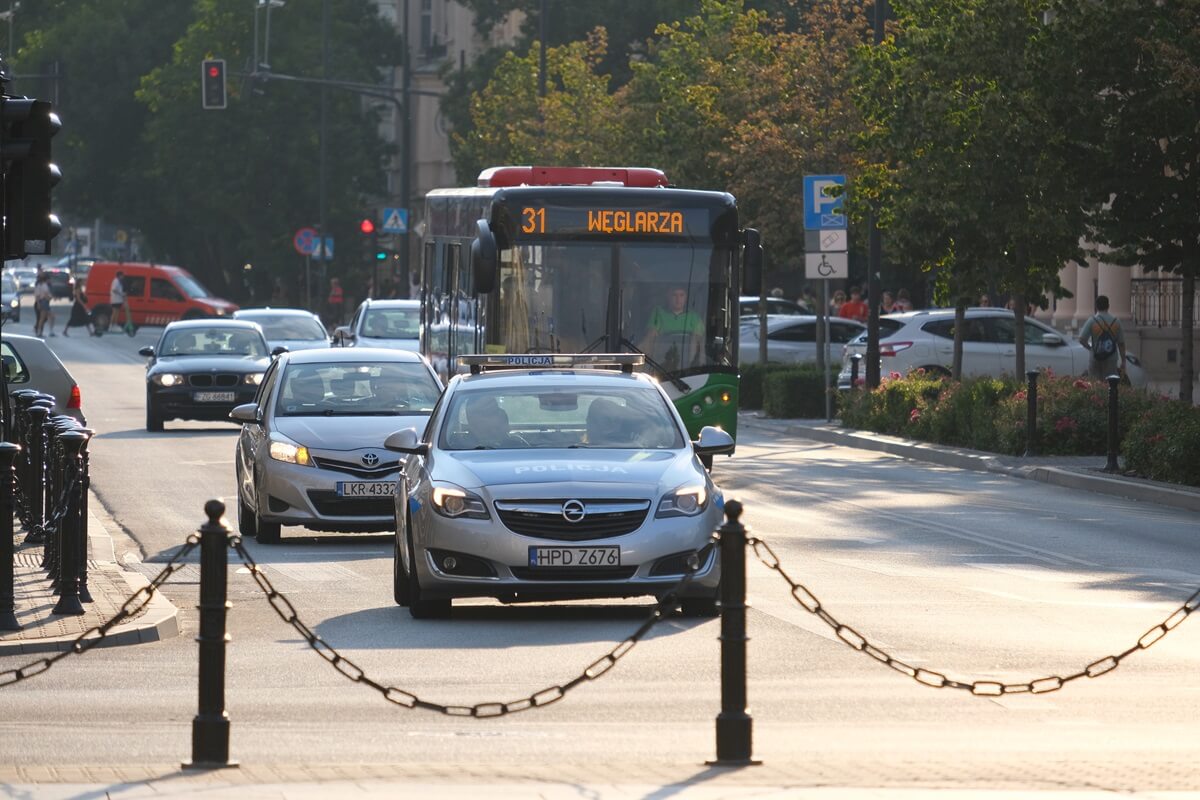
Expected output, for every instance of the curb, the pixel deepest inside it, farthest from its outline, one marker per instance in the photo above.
(1083, 479)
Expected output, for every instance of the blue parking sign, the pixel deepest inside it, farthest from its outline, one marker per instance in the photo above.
(821, 210)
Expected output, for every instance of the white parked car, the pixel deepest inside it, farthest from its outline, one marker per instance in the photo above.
(793, 339)
(925, 340)
(293, 328)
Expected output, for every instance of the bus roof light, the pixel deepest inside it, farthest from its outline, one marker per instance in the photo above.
(479, 363)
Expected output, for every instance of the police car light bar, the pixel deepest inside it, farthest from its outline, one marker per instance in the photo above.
(478, 363)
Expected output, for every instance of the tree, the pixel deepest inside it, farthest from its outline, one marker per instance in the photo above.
(1137, 64)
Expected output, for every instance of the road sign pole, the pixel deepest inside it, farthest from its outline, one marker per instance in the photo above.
(825, 322)
(308, 281)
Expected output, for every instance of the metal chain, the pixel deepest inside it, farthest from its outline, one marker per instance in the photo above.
(551, 694)
(129, 608)
(937, 680)
(52, 521)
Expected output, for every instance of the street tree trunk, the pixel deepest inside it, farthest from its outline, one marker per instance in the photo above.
(1018, 304)
(1187, 347)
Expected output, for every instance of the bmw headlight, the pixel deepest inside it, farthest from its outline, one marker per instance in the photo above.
(168, 379)
(451, 501)
(14, 302)
(686, 501)
(254, 378)
(290, 453)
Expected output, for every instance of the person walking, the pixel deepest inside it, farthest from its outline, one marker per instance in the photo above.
(41, 306)
(336, 298)
(1103, 336)
(80, 316)
(116, 299)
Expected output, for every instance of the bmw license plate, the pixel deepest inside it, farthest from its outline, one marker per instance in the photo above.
(213, 397)
(366, 488)
(575, 556)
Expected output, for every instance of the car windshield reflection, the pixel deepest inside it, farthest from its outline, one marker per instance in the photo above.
(356, 389)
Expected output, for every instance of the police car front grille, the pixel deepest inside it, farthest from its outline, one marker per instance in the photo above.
(544, 518)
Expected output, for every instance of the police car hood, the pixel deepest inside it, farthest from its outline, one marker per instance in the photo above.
(642, 472)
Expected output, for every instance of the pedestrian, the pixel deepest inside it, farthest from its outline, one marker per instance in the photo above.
(986, 302)
(903, 301)
(854, 308)
(888, 304)
(335, 300)
(835, 304)
(1103, 336)
(41, 305)
(80, 316)
(116, 300)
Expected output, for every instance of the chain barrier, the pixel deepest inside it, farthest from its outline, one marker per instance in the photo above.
(551, 694)
(1051, 683)
(61, 505)
(129, 608)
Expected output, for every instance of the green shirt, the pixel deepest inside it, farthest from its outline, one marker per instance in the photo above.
(664, 321)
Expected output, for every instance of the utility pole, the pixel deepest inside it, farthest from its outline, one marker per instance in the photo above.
(321, 177)
(406, 154)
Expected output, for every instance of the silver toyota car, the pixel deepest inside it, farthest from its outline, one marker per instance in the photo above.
(311, 448)
(546, 477)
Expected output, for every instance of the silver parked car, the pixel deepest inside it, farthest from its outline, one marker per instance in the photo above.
(557, 481)
(382, 323)
(10, 292)
(793, 339)
(311, 448)
(293, 328)
(30, 364)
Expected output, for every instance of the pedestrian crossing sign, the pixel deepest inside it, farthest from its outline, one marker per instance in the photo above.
(395, 220)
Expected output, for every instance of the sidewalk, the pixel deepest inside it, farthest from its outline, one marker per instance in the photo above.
(110, 586)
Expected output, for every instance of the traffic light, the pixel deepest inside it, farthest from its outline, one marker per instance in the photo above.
(212, 83)
(28, 125)
(374, 250)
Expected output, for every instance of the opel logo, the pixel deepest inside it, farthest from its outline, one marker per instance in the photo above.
(574, 511)
(370, 460)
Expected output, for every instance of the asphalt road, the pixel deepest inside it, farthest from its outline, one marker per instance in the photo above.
(976, 576)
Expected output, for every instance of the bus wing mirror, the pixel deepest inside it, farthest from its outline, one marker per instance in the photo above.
(752, 259)
(485, 261)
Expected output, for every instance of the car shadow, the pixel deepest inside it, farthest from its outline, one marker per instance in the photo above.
(497, 627)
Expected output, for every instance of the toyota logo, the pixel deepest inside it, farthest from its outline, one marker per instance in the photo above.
(370, 460)
(574, 511)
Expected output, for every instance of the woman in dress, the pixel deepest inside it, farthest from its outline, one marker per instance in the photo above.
(80, 316)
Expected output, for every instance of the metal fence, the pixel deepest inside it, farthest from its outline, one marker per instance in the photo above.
(1158, 303)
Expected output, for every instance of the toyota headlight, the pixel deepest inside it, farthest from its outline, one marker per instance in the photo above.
(686, 501)
(451, 501)
(254, 378)
(290, 453)
(168, 379)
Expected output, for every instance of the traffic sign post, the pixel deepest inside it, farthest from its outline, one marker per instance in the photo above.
(395, 220)
(305, 241)
(825, 240)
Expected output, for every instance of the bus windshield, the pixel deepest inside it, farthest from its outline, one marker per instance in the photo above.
(667, 300)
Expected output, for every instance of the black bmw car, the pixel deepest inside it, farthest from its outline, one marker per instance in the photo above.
(201, 369)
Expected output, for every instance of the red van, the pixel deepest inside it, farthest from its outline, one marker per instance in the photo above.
(155, 294)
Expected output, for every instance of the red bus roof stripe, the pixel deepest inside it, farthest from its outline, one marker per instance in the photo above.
(642, 177)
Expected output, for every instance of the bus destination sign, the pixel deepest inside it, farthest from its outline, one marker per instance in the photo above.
(536, 221)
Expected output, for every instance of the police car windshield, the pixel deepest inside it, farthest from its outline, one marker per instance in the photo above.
(544, 418)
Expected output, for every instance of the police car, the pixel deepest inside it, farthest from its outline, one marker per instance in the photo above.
(552, 477)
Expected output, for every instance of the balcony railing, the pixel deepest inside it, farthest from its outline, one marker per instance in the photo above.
(1158, 303)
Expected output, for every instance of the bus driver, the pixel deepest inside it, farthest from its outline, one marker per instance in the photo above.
(674, 334)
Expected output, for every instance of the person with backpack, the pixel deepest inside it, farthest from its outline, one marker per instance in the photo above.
(1102, 335)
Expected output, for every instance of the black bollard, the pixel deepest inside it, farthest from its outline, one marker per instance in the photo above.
(855, 360)
(1031, 415)
(70, 443)
(34, 489)
(85, 485)
(8, 600)
(210, 727)
(1113, 432)
(734, 724)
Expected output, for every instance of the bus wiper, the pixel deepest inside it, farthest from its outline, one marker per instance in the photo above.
(659, 370)
(591, 347)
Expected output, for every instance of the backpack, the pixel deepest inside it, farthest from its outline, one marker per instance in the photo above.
(1104, 346)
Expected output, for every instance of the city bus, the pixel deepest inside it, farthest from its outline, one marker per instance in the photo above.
(592, 260)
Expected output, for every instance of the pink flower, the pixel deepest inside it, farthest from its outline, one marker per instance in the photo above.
(861, 382)
(895, 375)
(1080, 383)
(1065, 425)
(1019, 395)
(919, 371)
(915, 415)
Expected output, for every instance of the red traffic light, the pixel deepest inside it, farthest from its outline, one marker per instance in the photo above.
(367, 226)
(214, 71)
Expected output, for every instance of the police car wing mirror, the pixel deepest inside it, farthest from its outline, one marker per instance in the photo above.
(713, 441)
(246, 412)
(406, 441)
(148, 352)
(485, 259)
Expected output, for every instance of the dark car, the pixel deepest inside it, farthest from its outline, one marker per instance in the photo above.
(201, 369)
(62, 283)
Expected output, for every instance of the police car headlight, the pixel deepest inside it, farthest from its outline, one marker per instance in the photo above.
(451, 501)
(254, 378)
(686, 501)
(168, 379)
(290, 453)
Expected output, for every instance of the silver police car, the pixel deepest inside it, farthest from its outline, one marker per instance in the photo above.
(311, 448)
(545, 477)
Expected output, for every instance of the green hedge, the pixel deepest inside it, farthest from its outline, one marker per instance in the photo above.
(1160, 437)
(798, 391)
